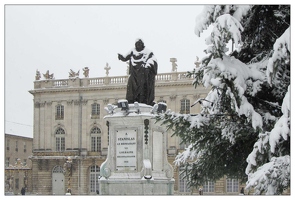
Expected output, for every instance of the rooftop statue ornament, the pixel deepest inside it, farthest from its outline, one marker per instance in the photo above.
(107, 68)
(143, 68)
(38, 75)
(73, 74)
(86, 72)
(174, 65)
(197, 63)
(47, 75)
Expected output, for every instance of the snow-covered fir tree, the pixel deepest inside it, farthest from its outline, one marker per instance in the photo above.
(243, 129)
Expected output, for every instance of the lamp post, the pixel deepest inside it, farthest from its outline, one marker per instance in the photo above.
(68, 170)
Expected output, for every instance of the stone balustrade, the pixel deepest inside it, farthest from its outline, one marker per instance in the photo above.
(100, 81)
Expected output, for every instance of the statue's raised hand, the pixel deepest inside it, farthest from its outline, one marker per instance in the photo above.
(120, 57)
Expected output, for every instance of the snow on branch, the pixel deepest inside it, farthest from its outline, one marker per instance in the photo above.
(272, 177)
(232, 25)
(282, 49)
(231, 69)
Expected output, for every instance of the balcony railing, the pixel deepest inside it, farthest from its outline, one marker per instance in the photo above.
(100, 81)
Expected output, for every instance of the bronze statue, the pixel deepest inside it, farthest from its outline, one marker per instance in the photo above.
(143, 68)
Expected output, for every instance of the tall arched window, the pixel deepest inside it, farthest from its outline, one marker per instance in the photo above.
(95, 139)
(94, 175)
(185, 106)
(60, 139)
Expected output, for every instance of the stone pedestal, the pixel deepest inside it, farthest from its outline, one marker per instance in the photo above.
(137, 162)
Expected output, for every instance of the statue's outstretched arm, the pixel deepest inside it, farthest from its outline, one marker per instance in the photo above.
(124, 59)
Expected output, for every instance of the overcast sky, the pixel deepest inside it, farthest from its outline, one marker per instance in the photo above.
(63, 37)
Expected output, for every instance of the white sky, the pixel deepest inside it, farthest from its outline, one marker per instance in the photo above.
(63, 37)
(58, 38)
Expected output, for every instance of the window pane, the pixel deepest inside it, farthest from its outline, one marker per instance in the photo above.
(183, 187)
(232, 185)
(209, 186)
(94, 174)
(57, 144)
(95, 109)
(185, 106)
(62, 144)
(92, 143)
(98, 144)
(59, 112)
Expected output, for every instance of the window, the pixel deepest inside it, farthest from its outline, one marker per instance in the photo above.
(58, 169)
(185, 106)
(183, 186)
(183, 145)
(25, 162)
(95, 111)
(94, 175)
(16, 183)
(208, 186)
(25, 147)
(232, 185)
(95, 139)
(60, 139)
(16, 145)
(59, 112)
(7, 144)
(7, 161)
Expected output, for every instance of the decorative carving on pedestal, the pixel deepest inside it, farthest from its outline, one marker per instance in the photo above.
(168, 173)
(49, 103)
(146, 132)
(108, 125)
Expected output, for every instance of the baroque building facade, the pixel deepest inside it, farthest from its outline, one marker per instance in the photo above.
(18, 166)
(71, 136)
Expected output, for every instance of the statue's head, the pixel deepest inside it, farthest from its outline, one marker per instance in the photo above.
(139, 45)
